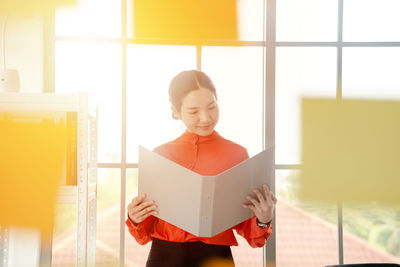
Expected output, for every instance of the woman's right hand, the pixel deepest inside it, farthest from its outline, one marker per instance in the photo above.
(139, 210)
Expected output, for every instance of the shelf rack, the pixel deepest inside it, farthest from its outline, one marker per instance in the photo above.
(84, 194)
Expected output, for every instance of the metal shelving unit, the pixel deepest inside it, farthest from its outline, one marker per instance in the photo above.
(84, 194)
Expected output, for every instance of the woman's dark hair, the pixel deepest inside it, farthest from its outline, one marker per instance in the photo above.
(187, 81)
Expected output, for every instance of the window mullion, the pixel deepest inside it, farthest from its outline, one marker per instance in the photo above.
(123, 130)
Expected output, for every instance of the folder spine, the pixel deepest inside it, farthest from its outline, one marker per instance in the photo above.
(207, 206)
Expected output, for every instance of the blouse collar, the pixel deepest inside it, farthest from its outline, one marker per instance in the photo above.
(195, 138)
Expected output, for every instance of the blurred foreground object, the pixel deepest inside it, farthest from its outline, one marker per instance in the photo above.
(218, 262)
(185, 20)
(351, 150)
(31, 166)
(28, 7)
(48, 154)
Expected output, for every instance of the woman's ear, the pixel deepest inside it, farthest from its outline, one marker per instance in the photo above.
(175, 113)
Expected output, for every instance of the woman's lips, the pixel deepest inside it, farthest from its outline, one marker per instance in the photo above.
(205, 127)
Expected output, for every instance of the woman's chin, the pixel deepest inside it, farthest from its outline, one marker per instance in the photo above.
(204, 132)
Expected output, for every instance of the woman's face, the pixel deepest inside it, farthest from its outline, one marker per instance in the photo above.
(199, 111)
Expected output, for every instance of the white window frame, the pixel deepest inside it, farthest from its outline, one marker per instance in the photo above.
(269, 44)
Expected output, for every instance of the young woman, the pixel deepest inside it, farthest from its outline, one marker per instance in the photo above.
(202, 150)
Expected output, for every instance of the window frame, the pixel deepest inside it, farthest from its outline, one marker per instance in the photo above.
(269, 45)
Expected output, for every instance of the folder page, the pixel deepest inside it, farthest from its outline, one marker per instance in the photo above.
(233, 185)
(202, 205)
(175, 189)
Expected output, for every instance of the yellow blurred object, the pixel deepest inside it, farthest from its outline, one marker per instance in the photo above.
(32, 158)
(28, 7)
(351, 150)
(185, 19)
(217, 262)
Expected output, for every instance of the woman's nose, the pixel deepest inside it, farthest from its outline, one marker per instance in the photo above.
(204, 116)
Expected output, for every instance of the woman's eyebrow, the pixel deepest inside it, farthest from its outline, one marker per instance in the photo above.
(209, 104)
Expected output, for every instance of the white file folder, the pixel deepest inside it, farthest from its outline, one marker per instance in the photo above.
(202, 205)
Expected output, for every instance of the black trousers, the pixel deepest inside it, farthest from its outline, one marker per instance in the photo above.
(188, 254)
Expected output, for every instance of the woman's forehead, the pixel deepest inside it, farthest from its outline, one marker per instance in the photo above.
(198, 98)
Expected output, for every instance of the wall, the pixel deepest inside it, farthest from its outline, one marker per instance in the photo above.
(24, 50)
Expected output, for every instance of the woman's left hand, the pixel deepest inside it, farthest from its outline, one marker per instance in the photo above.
(264, 207)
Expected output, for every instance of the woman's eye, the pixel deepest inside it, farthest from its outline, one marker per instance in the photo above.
(193, 112)
(212, 107)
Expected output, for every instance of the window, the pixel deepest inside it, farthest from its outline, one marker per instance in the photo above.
(129, 80)
(335, 49)
(331, 48)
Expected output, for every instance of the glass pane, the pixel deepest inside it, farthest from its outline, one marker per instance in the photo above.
(306, 233)
(249, 18)
(108, 217)
(94, 18)
(371, 72)
(96, 69)
(64, 235)
(135, 254)
(371, 20)
(371, 233)
(150, 70)
(301, 71)
(237, 73)
(306, 20)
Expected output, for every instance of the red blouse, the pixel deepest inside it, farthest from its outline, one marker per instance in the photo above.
(206, 155)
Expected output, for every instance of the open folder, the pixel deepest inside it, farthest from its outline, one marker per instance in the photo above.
(202, 205)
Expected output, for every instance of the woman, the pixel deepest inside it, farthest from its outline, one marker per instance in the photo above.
(202, 150)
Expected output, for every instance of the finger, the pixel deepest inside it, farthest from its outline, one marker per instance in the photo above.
(138, 199)
(146, 213)
(266, 191)
(141, 206)
(274, 199)
(259, 195)
(147, 210)
(144, 205)
(248, 206)
(130, 207)
(255, 202)
(138, 215)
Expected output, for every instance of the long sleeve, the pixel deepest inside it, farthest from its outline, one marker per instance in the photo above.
(255, 236)
(142, 231)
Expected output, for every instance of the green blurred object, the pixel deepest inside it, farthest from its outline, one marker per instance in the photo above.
(351, 150)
